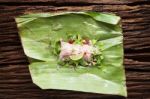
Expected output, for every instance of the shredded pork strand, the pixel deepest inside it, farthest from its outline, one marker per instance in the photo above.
(68, 49)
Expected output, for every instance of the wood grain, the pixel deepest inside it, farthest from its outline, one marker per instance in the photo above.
(64, 2)
(15, 80)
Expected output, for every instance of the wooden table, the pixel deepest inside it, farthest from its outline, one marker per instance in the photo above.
(15, 80)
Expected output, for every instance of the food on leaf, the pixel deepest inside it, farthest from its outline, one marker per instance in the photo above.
(81, 51)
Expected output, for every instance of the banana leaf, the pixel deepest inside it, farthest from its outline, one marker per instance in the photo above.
(40, 31)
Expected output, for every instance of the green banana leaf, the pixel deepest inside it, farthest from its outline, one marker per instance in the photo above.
(38, 30)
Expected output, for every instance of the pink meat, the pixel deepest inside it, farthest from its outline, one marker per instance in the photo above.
(68, 49)
(87, 49)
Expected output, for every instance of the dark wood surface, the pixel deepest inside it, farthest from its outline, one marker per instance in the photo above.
(15, 80)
